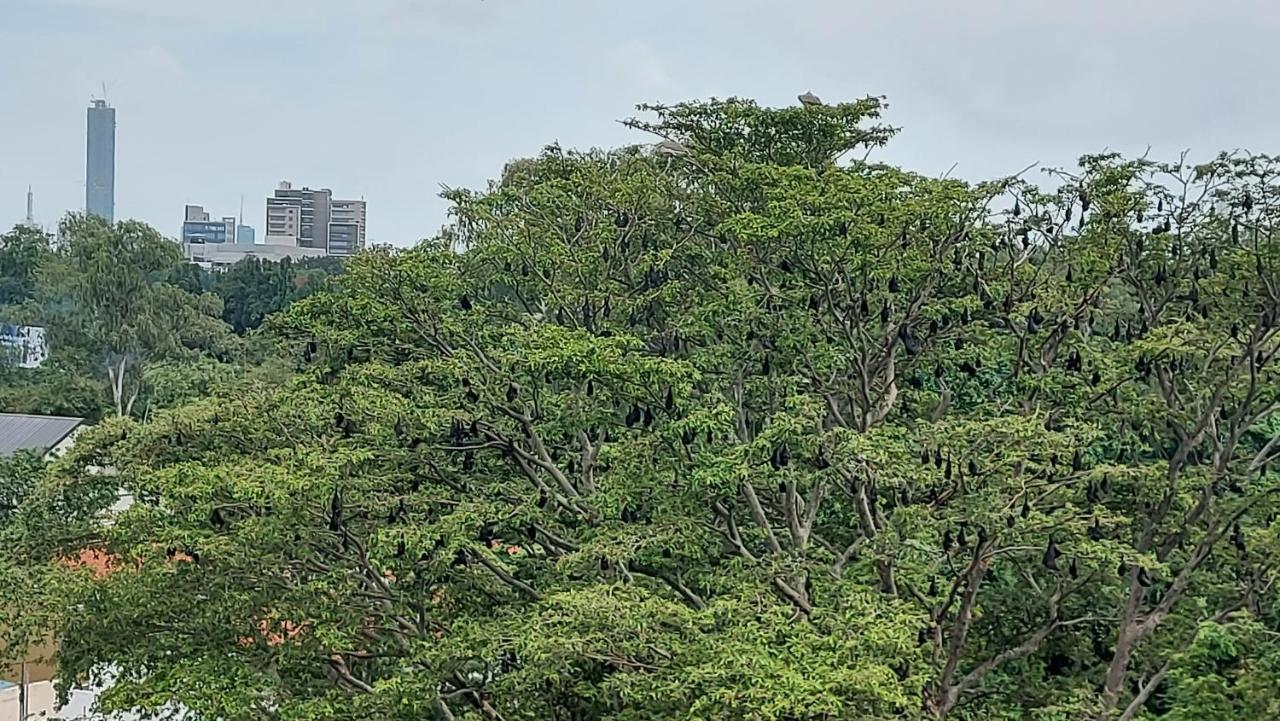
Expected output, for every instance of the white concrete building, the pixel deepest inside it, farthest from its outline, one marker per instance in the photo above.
(24, 346)
(220, 256)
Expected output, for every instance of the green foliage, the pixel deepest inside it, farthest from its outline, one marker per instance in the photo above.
(104, 301)
(117, 299)
(22, 250)
(169, 384)
(18, 475)
(743, 430)
(253, 289)
(1226, 672)
(58, 388)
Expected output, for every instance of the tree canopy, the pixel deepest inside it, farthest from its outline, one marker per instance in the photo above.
(253, 289)
(748, 427)
(21, 252)
(18, 475)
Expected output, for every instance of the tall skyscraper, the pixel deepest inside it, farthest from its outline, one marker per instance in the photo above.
(100, 162)
(313, 219)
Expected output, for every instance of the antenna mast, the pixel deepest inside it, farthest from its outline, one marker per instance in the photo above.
(31, 204)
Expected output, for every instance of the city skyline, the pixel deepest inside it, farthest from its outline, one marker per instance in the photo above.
(407, 97)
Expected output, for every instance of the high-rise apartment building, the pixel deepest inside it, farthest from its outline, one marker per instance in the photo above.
(100, 162)
(292, 213)
(313, 219)
(346, 226)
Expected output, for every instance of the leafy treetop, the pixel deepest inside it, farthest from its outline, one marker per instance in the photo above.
(752, 429)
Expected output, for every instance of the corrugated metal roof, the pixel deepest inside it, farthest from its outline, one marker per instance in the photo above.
(20, 432)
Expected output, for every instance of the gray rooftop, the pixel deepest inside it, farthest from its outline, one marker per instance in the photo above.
(19, 432)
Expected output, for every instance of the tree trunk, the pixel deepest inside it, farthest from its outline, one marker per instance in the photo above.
(116, 372)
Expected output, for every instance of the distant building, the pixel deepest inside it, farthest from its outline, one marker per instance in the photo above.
(346, 226)
(199, 228)
(221, 256)
(23, 346)
(316, 220)
(100, 162)
(293, 212)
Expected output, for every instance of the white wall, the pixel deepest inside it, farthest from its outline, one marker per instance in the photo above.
(59, 451)
(42, 704)
(40, 701)
(28, 343)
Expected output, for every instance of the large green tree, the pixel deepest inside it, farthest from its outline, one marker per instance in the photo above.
(253, 289)
(21, 252)
(18, 475)
(104, 299)
(58, 387)
(61, 387)
(742, 426)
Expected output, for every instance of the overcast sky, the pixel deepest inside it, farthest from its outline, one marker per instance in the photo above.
(391, 99)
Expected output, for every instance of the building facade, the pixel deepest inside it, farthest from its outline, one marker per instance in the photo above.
(301, 213)
(100, 162)
(346, 227)
(23, 346)
(314, 219)
(199, 228)
(221, 256)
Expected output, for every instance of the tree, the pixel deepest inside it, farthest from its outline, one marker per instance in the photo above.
(168, 384)
(56, 388)
(253, 289)
(21, 252)
(18, 475)
(59, 388)
(104, 296)
(745, 429)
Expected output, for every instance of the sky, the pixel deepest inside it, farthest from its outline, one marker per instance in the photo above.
(391, 100)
